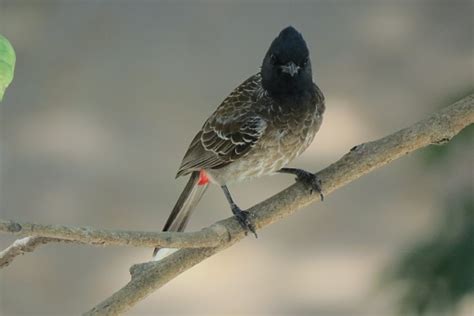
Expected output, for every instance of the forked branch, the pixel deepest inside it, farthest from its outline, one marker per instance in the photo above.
(438, 128)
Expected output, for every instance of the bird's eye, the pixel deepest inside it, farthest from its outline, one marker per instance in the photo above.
(273, 59)
(306, 61)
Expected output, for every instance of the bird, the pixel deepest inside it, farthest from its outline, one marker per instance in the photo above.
(266, 122)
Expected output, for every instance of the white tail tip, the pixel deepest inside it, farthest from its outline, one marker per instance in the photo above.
(164, 252)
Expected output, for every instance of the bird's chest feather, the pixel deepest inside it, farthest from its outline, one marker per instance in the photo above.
(292, 126)
(287, 135)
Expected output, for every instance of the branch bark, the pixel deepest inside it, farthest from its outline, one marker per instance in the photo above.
(439, 128)
(208, 237)
(38, 234)
(20, 246)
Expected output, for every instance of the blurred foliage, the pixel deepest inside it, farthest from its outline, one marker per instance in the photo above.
(7, 64)
(439, 272)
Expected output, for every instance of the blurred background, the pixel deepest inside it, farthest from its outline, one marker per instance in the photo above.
(107, 96)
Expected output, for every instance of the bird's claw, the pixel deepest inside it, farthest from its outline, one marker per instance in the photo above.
(244, 220)
(312, 181)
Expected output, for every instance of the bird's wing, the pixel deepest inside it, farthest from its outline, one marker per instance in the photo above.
(229, 133)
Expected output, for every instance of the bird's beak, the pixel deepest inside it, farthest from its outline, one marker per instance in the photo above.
(291, 68)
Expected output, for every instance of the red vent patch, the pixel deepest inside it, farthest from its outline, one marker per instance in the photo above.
(203, 178)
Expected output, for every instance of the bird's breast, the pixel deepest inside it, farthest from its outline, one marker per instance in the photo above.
(290, 130)
(287, 136)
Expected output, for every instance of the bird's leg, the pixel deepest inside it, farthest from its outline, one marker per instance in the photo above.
(306, 177)
(241, 215)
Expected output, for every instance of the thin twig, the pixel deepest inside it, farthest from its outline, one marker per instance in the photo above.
(210, 236)
(20, 246)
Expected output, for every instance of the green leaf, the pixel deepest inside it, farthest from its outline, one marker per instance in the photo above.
(7, 64)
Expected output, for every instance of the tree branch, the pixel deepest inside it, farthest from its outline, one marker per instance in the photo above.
(440, 127)
(20, 246)
(210, 236)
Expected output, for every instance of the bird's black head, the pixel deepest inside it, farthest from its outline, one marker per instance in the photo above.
(286, 68)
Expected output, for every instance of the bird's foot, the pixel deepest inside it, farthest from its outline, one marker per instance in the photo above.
(244, 220)
(311, 180)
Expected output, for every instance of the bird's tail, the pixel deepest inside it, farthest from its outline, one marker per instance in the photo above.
(189, 198)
